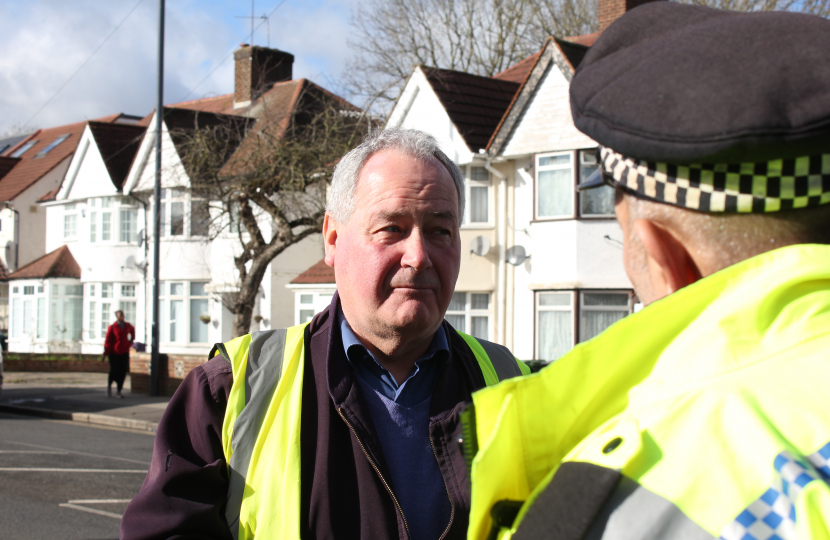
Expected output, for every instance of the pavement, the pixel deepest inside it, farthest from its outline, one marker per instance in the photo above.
(80, 397)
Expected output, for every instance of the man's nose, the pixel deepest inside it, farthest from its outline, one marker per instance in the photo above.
(415, 254)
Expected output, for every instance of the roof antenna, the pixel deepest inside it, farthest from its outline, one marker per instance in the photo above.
(252, 22)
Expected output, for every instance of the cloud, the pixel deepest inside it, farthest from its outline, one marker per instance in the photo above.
(46, 41)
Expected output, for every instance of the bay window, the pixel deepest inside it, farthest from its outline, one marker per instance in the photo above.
(469, 312)
(557, 175)
(184, 308)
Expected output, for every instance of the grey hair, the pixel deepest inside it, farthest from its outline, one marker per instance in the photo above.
(729, 238)
(415, 143)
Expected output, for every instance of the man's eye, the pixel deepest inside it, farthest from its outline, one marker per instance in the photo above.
(392, 229)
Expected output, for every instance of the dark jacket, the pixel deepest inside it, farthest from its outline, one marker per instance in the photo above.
(343, 496)
(118, 340)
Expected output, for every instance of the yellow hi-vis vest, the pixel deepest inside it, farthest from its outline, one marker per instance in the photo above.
(713, 404)
(261, 428)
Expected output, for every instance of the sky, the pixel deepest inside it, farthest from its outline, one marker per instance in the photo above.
(45, 42)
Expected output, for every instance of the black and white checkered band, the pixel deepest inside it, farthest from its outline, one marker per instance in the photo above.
(780, 184)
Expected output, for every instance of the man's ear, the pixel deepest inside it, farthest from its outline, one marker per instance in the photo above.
(670, 265)
(329, 238)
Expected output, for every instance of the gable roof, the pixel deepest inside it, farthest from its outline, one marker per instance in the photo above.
(59, 263)
(565, 56)
(475, 104)
(118, 144)
(32, 168)
(7, 164)
(518, 72)
(319, 273)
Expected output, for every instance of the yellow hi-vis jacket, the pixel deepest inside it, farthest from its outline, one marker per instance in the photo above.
(707, 414)
(261, 428)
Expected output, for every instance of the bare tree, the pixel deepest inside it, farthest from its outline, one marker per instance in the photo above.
(267, 182)
(482, 37)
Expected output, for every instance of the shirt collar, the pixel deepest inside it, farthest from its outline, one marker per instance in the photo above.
(357, 353)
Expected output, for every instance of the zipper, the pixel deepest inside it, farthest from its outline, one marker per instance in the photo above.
(377, 470)
(452, 506)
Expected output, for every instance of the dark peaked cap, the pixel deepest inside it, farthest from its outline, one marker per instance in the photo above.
(727, 111)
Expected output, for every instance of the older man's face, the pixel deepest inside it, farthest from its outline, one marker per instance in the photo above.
(396, 260)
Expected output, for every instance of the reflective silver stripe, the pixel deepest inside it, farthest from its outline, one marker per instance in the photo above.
(265, 354)
(635, 513)
(502, 359)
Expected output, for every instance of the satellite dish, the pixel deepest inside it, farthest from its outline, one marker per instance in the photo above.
(130, 262)
(480, 246)
(516, 255)
(141, 238)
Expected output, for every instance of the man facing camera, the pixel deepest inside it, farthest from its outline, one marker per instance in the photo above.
(345, 427)
(705, 414)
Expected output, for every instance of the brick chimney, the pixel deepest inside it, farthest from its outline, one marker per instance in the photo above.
(609, 11)
(257, 68)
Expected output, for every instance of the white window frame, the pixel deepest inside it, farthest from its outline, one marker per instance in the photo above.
(469, 184)
(97, 317)
(468, 312)
(576, 307)
(628, 309)
(577, 157)
(70, 211)
(543, 168)
(169, 196)
(310, 302)
(538, 308)
(165, 297)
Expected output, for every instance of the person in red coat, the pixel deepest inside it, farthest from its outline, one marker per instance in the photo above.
(120, 335)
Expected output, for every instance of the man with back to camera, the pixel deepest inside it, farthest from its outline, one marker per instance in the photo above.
(345, 427)
(705, 414)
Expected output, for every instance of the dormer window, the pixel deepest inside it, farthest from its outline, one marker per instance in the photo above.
(52, 145)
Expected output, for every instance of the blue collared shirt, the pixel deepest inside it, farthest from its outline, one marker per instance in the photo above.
(417, 386)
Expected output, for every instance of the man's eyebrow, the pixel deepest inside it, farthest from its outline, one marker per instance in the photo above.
(392, 214)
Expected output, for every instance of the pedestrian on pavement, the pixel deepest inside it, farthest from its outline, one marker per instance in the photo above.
(344, 427)
(119, 338)
(705, 414)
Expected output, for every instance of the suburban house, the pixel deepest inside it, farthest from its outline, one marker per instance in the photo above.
(30, 168)
(102, 212)
(550, 274)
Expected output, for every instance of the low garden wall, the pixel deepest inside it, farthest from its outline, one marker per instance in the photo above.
(88, 363)
(172, 370)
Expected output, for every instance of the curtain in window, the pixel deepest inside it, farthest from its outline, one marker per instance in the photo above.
(198, 329)
(598, 201)
(457, 322)
(176, 218)
(17, 318)
(129, 312)
(592, 323)
(478, 204)
(555, 334)
(556, 193)
(41, 318)
(480, 327)
(176, 320)
(93, 315)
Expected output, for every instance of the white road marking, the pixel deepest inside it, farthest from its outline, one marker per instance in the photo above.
(24, 469)
(99, 501)
(77, 453)
(91, 510)
(32, 452)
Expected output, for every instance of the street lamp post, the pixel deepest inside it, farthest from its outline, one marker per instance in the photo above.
(154, 356)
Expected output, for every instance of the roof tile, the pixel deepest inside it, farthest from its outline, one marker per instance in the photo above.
(59, 263)
(319, 273)
(475, 104)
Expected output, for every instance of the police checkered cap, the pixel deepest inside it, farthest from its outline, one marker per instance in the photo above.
(772, 186)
